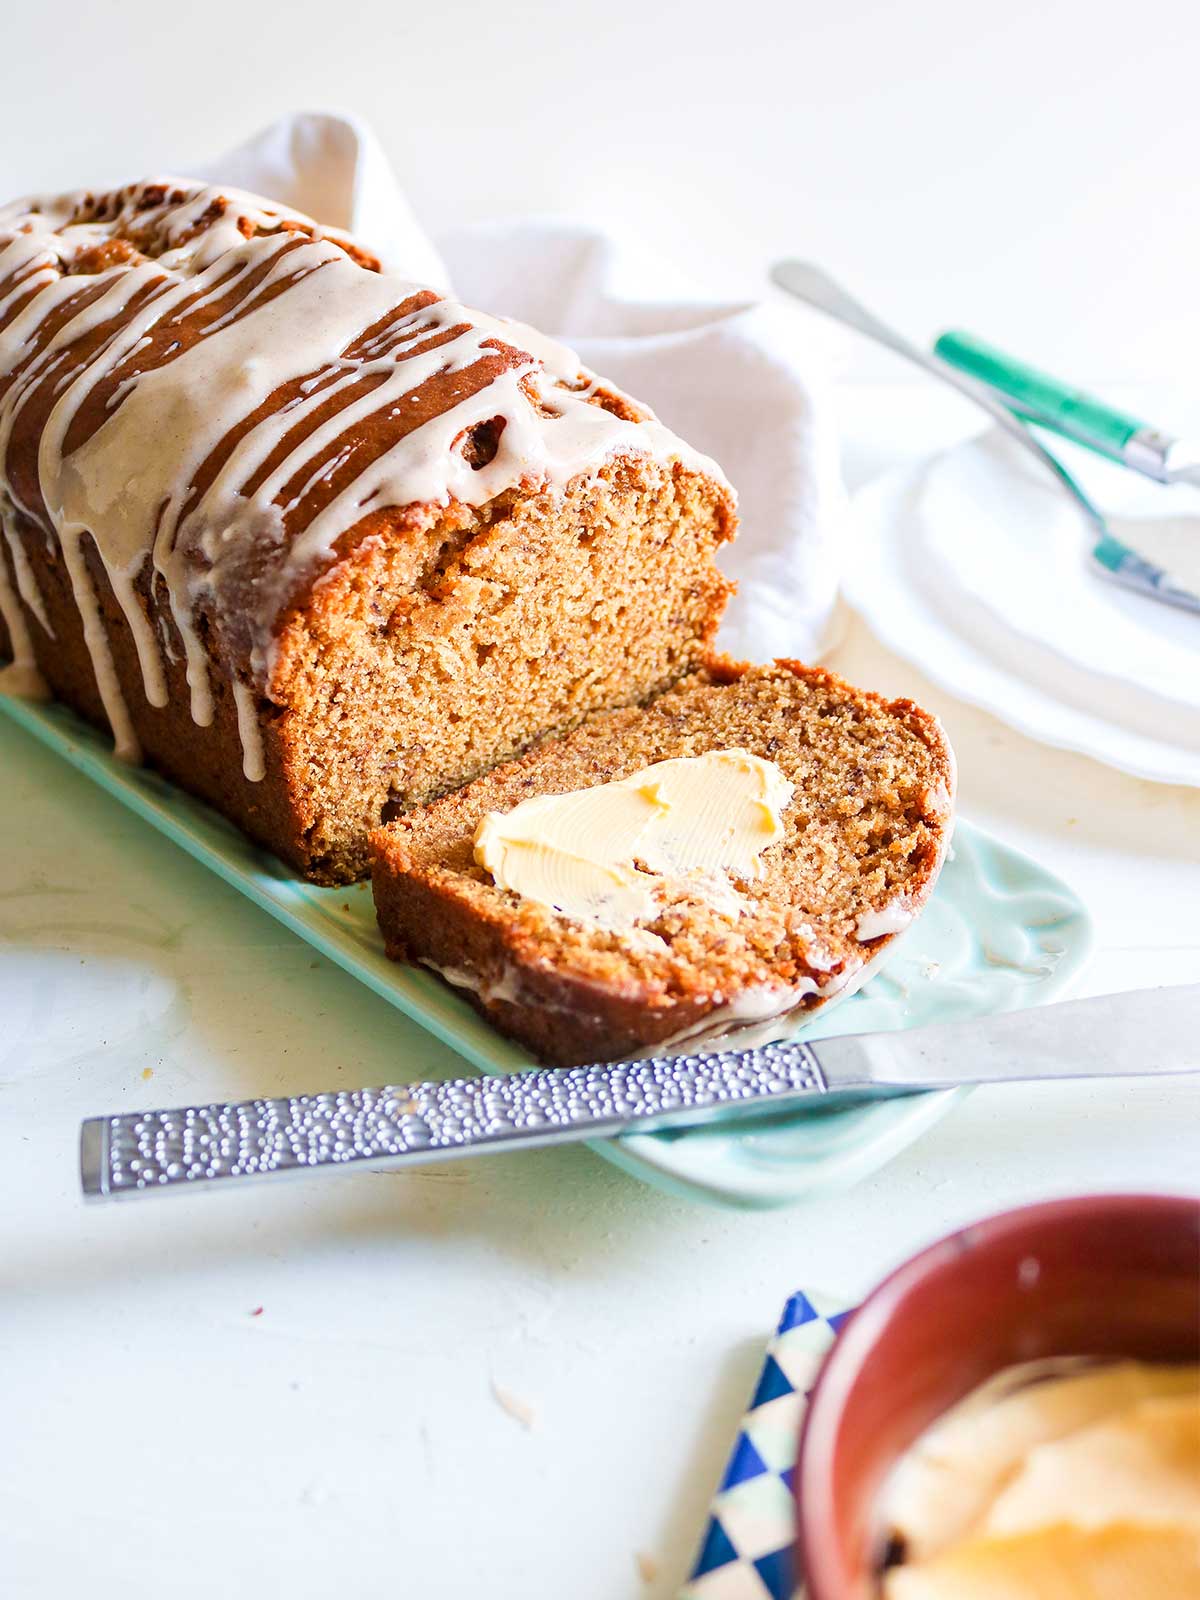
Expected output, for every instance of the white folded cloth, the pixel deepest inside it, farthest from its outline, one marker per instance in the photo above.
(736, 381)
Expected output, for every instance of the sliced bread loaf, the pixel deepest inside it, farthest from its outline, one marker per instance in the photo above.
(317, 543)
(855, 850)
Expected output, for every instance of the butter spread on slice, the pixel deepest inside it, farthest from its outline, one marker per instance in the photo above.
(601, 854)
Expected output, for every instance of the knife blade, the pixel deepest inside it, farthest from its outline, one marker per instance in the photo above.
(1148, 1032)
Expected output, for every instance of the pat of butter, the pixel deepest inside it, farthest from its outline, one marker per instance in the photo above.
(1039, 1486)
(600, 854)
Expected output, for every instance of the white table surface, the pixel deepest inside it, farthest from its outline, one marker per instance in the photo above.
(161, 1428)
(290, 1391)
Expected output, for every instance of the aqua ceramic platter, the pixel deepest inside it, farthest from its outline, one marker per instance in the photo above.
(1000, 933)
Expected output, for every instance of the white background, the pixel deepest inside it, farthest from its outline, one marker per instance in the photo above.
(1024, 170)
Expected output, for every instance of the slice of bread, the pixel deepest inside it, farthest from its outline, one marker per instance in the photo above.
(865, 833)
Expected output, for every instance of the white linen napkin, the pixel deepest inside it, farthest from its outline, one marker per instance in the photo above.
(736, 381)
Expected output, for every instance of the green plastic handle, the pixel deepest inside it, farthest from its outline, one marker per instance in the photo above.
(1055, 405)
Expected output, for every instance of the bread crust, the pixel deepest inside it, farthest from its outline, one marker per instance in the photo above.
(528, 990)
(204, 761)
(565, 1020)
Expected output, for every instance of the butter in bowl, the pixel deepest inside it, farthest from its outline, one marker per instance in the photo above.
(1016, 1413)
(1054, 1477)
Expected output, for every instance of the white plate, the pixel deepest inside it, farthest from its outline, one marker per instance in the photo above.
(973, 567)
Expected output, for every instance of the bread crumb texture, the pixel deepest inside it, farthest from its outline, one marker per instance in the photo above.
(866, 827)
(426, 660)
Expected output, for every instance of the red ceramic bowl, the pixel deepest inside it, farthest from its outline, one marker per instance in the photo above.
(1107, 1276)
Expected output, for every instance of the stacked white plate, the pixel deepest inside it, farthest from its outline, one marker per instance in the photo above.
(973, 565)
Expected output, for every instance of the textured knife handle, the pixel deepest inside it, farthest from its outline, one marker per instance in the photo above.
(149, 1152)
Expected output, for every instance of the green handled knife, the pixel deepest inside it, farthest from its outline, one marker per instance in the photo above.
(1071, 412)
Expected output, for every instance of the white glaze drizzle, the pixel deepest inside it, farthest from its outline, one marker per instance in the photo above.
(26, 581)
(253, 756)
(298, 304)
(506, 987)
(21, 676)
(891, 918)
(95, 637)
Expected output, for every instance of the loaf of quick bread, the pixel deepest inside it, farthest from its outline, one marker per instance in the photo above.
(318, 543)
(741, 849)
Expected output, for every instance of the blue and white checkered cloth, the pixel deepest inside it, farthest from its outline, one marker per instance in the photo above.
(748, 1550)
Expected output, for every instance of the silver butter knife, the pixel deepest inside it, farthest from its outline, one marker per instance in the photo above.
(1147, 1032)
